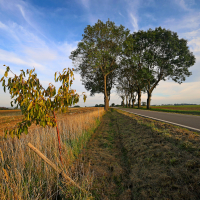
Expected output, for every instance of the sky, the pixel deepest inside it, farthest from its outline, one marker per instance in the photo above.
(42, 34)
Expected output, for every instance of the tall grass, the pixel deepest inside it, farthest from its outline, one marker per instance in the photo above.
(23, 175)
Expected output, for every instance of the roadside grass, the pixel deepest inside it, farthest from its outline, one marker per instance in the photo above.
(24, 175)
(148, 159)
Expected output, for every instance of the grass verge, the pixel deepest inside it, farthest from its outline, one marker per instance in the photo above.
(137, 158)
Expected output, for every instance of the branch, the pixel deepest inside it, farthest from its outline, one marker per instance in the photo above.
(55, 167)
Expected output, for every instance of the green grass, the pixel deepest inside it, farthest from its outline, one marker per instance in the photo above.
(189, 112)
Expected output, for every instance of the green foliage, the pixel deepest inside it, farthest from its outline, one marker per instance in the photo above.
(97, 55)
(38, 105)
(144, 103)
(156, 55)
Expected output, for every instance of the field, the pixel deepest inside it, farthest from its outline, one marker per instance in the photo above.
(122, 157)
(188, 109)
(9, 118)
(25, 176)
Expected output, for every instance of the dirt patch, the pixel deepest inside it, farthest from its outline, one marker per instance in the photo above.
(135, 158)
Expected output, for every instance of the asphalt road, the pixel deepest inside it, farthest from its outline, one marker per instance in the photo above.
(187, 121)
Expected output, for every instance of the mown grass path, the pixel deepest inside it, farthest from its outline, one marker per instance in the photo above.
(137, 158)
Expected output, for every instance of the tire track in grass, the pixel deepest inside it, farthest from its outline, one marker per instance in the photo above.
(106, 158)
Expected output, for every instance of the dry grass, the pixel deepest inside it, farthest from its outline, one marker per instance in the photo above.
(23, 175)
(138, 158)
(9, 111)
(9, 118)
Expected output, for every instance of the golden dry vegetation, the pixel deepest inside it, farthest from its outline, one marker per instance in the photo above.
(25, 176)
(9, 118)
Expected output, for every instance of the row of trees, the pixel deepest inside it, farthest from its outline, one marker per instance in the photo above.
(109, 55)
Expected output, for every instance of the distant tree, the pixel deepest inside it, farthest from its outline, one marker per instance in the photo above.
(126, 86)
(144, 103)
(100, 51)
(112, 105)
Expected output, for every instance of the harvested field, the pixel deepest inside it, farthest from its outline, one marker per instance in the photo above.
(9, 118)
(23, 175)
(137, 158)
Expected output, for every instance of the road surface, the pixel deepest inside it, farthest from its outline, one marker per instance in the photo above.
(191, 122)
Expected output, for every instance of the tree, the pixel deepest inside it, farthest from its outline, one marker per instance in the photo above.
(165, 56)
(112, 105)
(39, 105)
(127, 85)
(144, 103)
(134, 47)
(100, 51)
(95, 82)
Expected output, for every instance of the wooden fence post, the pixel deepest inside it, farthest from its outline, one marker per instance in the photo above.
(55, 167)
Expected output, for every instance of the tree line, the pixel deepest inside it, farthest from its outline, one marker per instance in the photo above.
(109, 55)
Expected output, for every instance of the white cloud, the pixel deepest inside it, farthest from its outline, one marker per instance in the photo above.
(121, 14)
(11, 57)
(3, 26)
(185, 4)
(85, 3)
(176, 93)
(134, 22)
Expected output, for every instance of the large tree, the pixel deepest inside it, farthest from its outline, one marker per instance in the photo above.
(162, 55)
(100, 50)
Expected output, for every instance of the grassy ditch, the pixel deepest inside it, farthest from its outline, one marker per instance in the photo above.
(23, 175)
(137, 158)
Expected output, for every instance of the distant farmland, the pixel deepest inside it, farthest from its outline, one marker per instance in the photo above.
(182, 109)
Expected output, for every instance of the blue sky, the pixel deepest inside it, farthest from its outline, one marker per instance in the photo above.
(42, 34)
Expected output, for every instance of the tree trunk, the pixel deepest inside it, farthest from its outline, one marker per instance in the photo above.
(58, 136)
(126, 102)
(148, 100)
(133, 101)
(106, 101)
(129, 104)
(139, 97)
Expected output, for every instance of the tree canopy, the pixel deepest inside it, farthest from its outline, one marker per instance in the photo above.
(100, 51)
(158, 54)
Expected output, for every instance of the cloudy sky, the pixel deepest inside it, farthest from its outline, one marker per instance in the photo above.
(42, 34)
